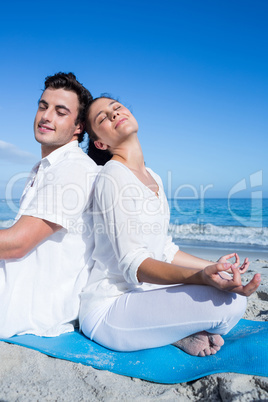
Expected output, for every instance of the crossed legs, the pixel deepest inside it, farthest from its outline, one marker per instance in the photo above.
(190, 316)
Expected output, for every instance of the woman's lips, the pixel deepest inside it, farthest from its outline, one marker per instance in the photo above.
(120, 122)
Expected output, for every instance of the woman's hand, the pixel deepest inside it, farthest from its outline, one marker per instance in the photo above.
(212, 276)
(243, 267)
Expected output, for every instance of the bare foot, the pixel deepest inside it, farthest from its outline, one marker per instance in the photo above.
(200, 344)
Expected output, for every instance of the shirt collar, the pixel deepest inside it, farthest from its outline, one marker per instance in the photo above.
(53, 156)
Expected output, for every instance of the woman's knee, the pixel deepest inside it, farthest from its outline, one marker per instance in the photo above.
(239, 305)
(234, 312)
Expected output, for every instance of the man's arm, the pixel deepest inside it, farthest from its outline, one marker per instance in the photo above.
(24, 235)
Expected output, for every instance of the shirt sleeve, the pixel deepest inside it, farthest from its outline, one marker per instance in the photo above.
(170, 250)
(63, 192)
(117, 201)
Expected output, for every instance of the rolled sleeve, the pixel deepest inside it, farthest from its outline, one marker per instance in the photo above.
(120, 223)
(130, 264)
(170, 250)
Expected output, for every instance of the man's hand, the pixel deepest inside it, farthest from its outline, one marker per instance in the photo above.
(212, 276)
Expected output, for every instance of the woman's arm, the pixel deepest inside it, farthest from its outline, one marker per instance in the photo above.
(189, 261)
(163, 273)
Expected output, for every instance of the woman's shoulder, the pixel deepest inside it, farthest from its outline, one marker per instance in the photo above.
(114, 167)
(114, 170)
(112, 177)
(117, 175)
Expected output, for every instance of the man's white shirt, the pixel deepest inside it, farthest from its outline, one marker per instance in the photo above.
(39, 293)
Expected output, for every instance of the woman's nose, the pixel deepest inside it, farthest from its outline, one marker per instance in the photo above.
(114, 114)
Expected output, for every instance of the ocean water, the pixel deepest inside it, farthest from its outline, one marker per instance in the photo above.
(8, 211)
(239, 223)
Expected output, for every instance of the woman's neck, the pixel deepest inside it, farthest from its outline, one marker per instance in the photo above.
(131, 155)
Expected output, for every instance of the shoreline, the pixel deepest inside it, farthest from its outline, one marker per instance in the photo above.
(26, 374)
(215, 252)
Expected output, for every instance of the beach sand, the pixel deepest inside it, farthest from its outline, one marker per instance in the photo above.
(27, 375)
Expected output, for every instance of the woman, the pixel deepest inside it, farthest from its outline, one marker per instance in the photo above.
(143, 292)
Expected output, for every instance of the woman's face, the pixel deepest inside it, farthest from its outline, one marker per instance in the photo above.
(112, 122)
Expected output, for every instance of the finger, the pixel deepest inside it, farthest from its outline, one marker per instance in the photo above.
(252, 285)
(237, 260)
(221, 267)
(244, 266)
(236, 275)
(228, 256)
(217, 268)
(246, 262)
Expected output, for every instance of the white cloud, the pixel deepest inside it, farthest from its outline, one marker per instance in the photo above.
(12, 154)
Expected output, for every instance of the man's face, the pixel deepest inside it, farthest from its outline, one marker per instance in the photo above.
(54, 124)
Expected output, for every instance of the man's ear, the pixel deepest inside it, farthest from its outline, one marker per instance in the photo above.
(100, 145)
(79, 128)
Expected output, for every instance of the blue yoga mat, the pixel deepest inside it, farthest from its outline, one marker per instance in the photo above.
(245, 351)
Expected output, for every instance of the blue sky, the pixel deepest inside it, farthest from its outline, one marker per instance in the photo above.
(193, 72)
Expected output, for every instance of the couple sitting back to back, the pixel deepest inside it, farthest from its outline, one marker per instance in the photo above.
(132, 285)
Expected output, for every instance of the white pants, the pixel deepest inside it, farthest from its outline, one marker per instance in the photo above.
(147, 319)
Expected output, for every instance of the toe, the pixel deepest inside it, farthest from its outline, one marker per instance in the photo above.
(216, 348)
(216, 341)
(213, 351)
(207, 351)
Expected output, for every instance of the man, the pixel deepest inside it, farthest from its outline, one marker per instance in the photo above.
(45, 256)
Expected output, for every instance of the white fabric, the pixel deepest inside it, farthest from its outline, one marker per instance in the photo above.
(142, 320)
(39, 293)
(130, 225)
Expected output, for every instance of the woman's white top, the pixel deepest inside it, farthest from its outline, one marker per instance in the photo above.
(130, 225)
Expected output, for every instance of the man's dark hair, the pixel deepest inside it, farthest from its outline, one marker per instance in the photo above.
(69, 82)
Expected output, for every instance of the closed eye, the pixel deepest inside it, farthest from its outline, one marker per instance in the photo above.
(42, 105)
(103, 118)
(61, 114)
(62, 110)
